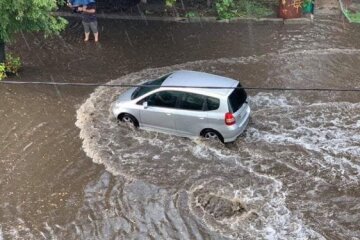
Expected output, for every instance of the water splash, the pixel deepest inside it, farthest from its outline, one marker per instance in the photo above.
(294, 143)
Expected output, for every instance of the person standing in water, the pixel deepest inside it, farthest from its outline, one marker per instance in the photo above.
(89, 20)
(312, 4)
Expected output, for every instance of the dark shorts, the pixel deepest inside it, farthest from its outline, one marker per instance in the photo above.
(90, 25)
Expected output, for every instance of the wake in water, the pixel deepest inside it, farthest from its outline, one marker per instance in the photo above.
(294, 173)
(298, 156)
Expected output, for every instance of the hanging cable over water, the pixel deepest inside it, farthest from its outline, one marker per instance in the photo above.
(86, 84)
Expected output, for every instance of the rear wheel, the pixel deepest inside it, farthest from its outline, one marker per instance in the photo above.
(128, 119)
(212, 135)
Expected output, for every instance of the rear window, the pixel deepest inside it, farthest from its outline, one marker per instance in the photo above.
(237, 99)
(154, 84)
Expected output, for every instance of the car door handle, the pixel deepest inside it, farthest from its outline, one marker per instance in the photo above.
(201, 118)
(168, 114)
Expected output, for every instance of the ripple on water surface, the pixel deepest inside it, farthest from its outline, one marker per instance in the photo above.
(298, 161)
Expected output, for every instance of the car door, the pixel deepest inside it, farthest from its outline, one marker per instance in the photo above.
(158, 114)
(191, 118)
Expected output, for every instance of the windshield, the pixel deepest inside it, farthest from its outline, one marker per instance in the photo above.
(148, 86)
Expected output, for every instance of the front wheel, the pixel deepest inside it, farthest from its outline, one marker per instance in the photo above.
(213, 135)
(128, 119)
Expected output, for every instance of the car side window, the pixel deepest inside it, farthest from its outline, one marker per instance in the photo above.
(166, 99)
(212, 103)
(192, 101)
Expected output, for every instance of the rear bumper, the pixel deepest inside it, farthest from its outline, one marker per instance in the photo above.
(232, 133)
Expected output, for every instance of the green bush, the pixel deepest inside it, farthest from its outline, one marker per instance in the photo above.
(249, 8)
(192, 14)
(170, 3)
(2, 71)
(227, 9)
(11, 66)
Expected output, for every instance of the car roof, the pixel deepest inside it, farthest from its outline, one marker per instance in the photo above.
(200, 79)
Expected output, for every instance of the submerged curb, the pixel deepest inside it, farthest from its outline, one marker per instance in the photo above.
(297, 21)
(189, 20)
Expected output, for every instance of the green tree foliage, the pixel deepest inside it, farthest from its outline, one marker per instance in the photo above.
(225, 9)
(28, 16)
(170, 3)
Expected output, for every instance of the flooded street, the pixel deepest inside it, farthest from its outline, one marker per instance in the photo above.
(69, 170)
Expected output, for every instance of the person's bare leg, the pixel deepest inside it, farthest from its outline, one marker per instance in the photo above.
(96, 37)
(87, 34)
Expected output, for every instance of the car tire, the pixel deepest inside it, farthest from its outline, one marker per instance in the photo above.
(212, 135)
(129, 119)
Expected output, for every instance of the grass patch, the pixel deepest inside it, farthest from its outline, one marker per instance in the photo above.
(192, 14)
(228, 9)
(354, 17)
(248, 8)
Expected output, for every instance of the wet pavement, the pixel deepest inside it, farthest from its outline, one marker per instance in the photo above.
(68, 170)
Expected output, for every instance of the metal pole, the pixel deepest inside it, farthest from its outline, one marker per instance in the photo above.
(2, 51)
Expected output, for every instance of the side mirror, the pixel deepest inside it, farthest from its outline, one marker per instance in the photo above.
(145, 105)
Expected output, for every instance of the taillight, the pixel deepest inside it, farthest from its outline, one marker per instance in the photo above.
(229, 119)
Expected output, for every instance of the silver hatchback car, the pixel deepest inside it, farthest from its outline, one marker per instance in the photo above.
(175, 104)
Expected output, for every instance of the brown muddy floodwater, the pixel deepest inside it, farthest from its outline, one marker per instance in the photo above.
(68, 170)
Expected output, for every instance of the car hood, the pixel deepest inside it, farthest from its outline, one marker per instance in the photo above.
(126, 96)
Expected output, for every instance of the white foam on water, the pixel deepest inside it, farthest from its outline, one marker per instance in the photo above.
(346, 141)
(18, 229)
(329, 129)
(103, 97)
(267, 203)
(325, 139)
